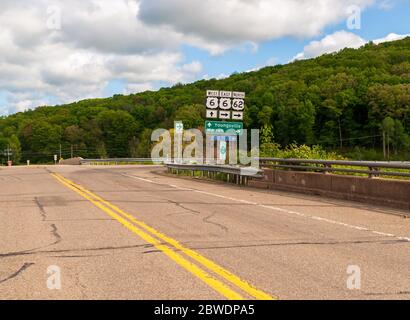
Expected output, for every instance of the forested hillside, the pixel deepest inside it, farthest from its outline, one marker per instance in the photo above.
(342, 101)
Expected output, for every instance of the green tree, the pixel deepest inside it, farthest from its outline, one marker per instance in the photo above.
(74, 134)
(388, 126)
(118, 128)
(144, 144)
(265, 115)
(3, 147)
(268, 147)
(15, 148)
(41, 140)
(191, 115)
(400, 138)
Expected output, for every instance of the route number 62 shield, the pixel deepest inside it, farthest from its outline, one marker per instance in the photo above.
(212, 103)
(238, 104)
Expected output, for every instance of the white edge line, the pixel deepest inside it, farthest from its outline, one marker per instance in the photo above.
(279, 210)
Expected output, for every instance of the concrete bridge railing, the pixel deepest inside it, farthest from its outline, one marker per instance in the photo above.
(313, 177)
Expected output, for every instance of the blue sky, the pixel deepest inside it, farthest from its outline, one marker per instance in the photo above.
(376, 23)
(71, 54)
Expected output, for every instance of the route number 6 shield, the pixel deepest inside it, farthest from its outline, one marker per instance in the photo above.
(225, 104)
(238, 104)
(212, 103)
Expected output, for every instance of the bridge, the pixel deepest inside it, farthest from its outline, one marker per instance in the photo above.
(293, 230)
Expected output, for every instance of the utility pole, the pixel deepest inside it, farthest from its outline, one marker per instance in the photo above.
(72, 153)
(60, 150)
(8, 153)
(384, 145)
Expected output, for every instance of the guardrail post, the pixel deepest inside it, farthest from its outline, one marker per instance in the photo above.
(375, 174)
(327, 166)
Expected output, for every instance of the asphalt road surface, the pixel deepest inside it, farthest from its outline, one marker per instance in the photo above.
(135, 233)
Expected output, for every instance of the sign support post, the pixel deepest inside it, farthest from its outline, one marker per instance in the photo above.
(178, 134)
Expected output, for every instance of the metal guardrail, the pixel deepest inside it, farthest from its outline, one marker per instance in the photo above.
(243, 171)
(234, 174)
(120, 161)
(371, 168)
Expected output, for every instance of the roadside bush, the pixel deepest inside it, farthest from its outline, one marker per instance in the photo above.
(294, 151)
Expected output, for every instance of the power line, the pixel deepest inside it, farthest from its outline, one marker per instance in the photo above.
(362, 138)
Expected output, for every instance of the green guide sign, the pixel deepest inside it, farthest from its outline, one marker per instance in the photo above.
(220, 128)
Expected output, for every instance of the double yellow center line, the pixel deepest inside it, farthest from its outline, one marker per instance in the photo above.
(170, 247)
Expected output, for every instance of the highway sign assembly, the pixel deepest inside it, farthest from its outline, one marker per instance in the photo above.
(226, 106)
(233, 103)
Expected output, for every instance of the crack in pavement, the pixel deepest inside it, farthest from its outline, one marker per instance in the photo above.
(180, 205)
(81, 287)
(55, 233)
(208, 220)
(388, 293)
(302, 243)
(41, 208)
(54, 229)
(10, 177)
(18, 272)
(33, 251)
(80, 220)
(79, 256)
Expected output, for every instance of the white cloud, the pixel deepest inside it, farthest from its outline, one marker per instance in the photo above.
(194, 67)
(338, 41)
(391, 37)
(386, 4)
(331, 43)
(98, 41)
(138, 87)
(226, 23)
(218, 77)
